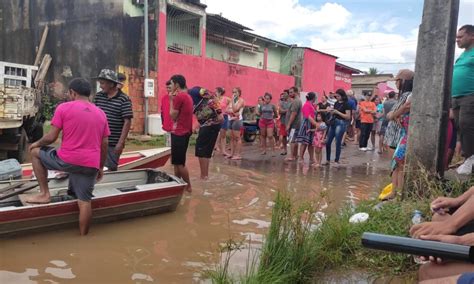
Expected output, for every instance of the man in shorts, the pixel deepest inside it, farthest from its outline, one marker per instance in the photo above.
(293, 123)
(82, 153)
(209, 116)
(181, 112)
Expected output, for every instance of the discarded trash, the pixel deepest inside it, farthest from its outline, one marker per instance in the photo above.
(359, 218)
(386, 191)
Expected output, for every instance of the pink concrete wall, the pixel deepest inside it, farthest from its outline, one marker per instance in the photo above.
(318, 72)
(342, 80)
(210, 73)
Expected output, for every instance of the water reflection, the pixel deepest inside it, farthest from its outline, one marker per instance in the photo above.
(236, 202)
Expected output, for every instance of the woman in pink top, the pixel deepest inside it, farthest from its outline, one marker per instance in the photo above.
(222, 138)
(305, 135)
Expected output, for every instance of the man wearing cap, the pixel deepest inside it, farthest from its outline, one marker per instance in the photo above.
(118, 108)
(463, 96)
(82, 152)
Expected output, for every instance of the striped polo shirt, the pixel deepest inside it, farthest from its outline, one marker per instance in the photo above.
(117, 108)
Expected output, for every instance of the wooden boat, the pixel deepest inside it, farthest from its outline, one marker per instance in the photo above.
(143, 159)
(119, 195)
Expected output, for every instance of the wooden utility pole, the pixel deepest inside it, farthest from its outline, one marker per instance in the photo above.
(432, 88)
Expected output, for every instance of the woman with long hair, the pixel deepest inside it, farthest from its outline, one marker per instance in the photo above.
(399, 118)
(236, 108)
(267, 113)
(222, 138)
(337, 124)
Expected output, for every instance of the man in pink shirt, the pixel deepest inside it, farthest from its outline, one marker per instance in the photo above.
(82, 153)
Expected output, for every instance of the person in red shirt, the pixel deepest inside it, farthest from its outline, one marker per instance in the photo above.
(166, 121)
(181, 112)
(367, 111)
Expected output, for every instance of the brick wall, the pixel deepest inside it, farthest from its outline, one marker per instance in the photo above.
(133, 87)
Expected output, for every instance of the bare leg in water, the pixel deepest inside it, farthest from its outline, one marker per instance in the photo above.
(204, 166)
(182, 172)
(85, 216)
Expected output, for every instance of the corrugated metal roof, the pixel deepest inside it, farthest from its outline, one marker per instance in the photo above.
(371, 79)
(218, 19)
(266, 39)
(353, 70)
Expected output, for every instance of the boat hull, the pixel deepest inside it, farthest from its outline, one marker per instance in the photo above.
(146, 159)
(27, 219)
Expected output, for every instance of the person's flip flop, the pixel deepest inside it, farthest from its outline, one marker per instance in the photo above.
(236, 158)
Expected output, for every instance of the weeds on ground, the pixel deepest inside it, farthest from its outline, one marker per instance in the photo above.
(299, 249)
(158, 141)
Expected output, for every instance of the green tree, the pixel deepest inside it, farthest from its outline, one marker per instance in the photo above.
(373, 71)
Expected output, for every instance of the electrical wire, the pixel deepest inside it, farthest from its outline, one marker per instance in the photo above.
(370, 62)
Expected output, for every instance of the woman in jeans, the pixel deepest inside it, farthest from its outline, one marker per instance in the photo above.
(337, 124)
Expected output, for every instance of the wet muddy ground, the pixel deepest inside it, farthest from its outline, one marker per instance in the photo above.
(235, 202)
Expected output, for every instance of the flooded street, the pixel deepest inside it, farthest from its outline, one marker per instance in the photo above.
(236, 202)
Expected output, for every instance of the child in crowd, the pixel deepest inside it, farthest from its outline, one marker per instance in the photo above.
(319, 139)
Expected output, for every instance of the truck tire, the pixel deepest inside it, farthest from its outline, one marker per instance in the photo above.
(37, 133)
(20, 154)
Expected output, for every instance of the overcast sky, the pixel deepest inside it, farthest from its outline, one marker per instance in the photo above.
(356, 31)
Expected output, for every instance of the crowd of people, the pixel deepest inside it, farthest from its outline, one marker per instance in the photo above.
(94, 134)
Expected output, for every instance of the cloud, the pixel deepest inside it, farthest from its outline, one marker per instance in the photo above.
(281, 19)
(334, 29)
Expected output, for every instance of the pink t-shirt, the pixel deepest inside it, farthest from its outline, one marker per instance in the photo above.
(83, 127)
(166, 120)
(308, 110)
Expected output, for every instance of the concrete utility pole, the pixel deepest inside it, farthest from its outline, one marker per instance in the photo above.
(432, 87)
(145, 34)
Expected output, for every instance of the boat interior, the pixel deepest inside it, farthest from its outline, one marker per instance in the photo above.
(112, 183)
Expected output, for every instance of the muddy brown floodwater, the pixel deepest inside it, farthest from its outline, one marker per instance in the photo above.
(236, 202)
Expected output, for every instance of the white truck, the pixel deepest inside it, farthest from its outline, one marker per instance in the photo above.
(20, 110)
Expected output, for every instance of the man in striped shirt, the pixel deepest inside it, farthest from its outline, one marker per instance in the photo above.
(118, 108)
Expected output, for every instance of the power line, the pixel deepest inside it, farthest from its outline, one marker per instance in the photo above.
(369, 62)
(369, 46)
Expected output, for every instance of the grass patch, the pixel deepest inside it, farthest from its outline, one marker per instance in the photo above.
(158, 141)
(299, 249)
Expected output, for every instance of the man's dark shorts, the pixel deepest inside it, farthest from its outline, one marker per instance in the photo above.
(112, 159)
(179, 146)
(206, 140)
(81, 179)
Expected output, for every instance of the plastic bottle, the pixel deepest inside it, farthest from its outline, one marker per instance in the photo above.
(417, 217)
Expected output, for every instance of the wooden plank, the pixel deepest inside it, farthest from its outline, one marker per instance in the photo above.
(41, 46)
(23, 200)
(43, 70)
(25, 188)
(11, 187)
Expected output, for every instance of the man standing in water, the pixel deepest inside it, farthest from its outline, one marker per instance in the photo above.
(82, 152)
(293, 123)
(181, 112)
(118, 108)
